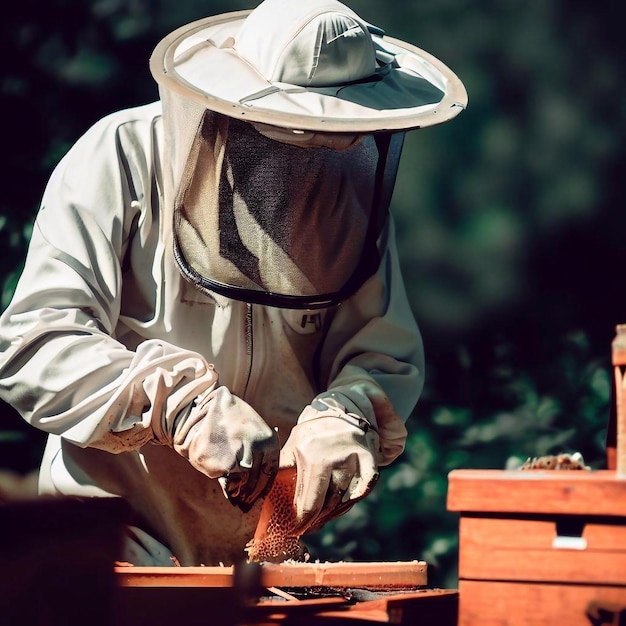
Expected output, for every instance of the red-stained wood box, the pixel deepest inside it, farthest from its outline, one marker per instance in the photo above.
(540, 547)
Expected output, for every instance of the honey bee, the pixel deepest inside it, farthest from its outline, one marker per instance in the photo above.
(563, 461)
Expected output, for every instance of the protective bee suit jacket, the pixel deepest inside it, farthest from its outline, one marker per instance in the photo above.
(102, 311)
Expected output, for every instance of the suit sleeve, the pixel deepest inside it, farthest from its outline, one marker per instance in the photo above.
(61, 366)
(374, 353)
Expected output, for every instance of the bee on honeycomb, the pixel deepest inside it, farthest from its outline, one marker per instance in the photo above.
(563, 461)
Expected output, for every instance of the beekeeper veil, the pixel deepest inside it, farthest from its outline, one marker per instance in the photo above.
(284, 128)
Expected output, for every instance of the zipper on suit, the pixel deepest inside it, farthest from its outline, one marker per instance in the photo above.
(249, 344)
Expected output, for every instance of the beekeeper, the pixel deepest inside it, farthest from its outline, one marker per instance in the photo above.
(212, 281)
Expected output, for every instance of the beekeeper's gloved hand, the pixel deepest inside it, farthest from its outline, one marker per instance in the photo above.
(336, 454)
(224, 437)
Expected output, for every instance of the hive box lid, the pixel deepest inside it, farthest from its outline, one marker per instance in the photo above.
(563, 492)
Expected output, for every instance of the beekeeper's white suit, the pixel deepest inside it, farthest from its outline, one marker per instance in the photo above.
(177, 314)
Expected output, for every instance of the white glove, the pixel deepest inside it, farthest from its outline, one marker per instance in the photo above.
(336, 454)
(224, 437)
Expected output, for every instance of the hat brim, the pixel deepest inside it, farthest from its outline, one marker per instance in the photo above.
(415, 91)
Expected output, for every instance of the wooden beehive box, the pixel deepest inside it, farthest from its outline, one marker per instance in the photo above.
(540, 547)
(543, 547)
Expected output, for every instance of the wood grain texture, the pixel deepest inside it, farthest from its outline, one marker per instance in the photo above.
(620, 425)
(510, 549)
(617, 457)
(369, 575)
(531, 604)
(599, 492)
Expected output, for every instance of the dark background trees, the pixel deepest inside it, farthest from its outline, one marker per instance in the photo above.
(509, 227)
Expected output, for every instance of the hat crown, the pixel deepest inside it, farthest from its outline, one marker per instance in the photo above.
(316, 43)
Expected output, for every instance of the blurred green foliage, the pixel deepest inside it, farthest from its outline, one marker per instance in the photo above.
(510, 228)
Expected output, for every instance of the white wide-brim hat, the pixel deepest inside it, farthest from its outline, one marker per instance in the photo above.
(307, 65)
